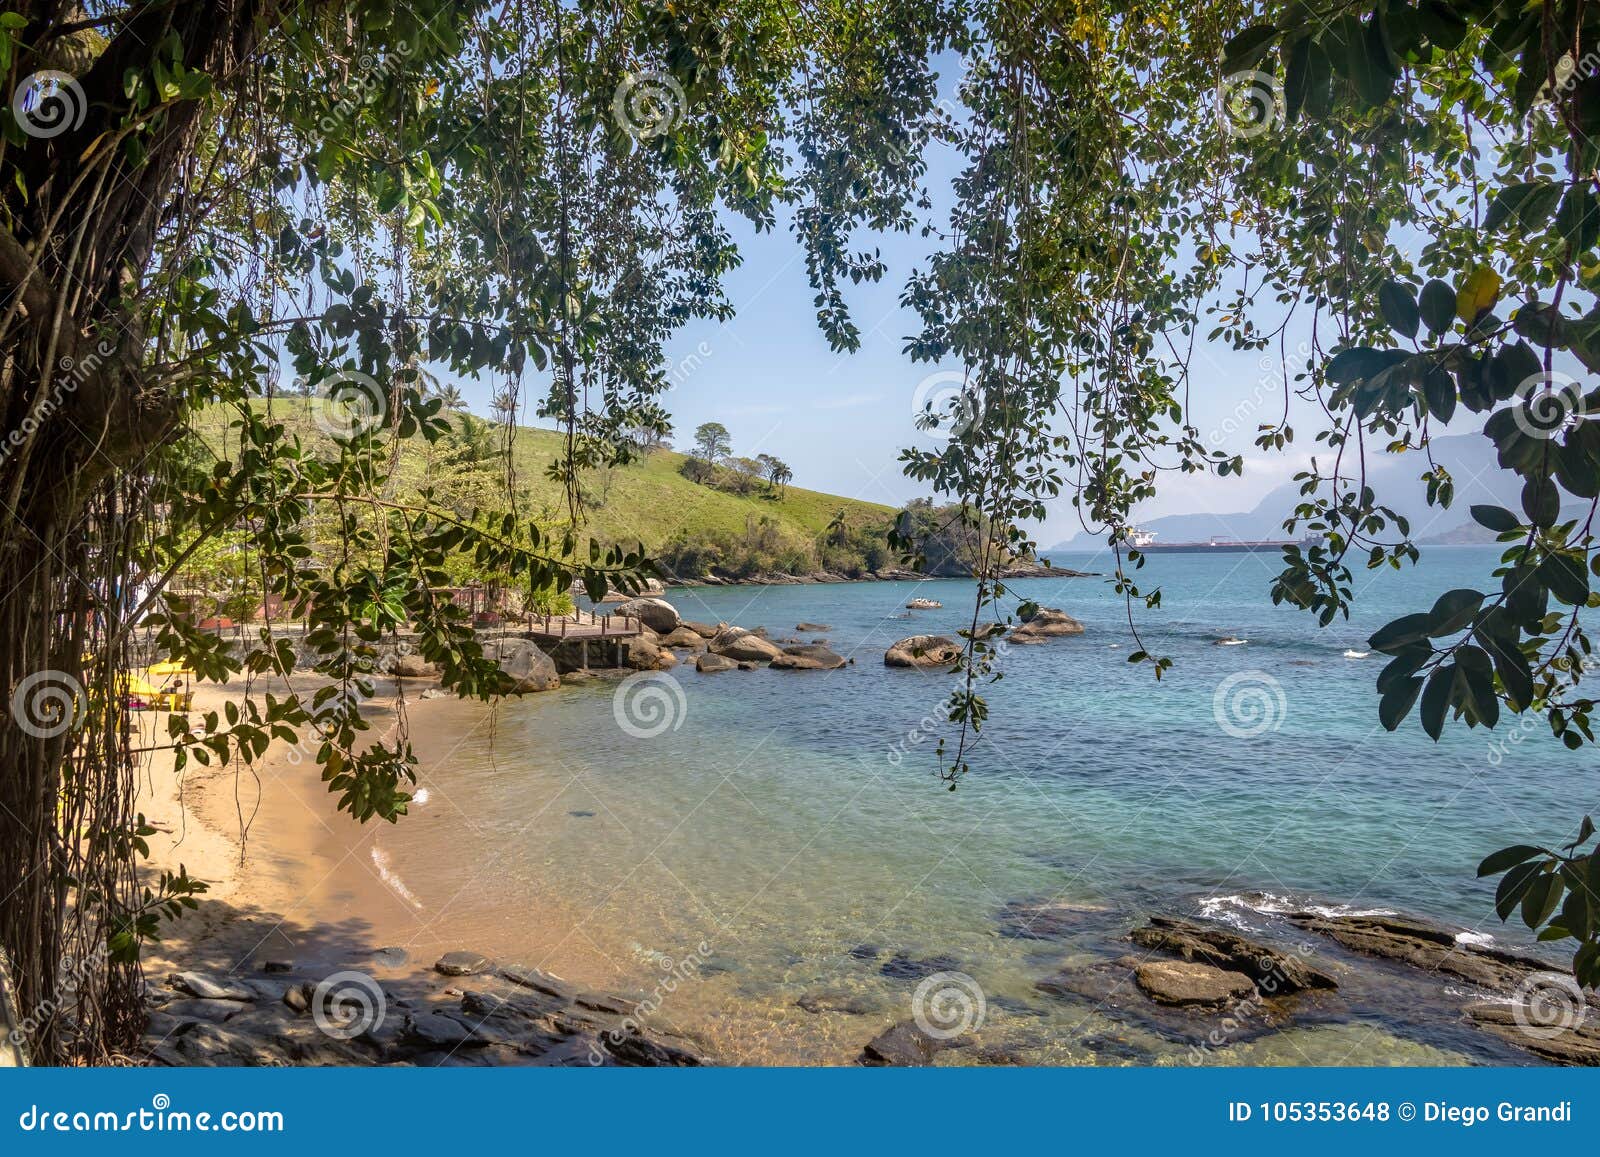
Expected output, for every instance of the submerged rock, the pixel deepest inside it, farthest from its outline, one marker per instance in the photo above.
(1425, 945)
(901, 966)
(923, 651)
(822, 627)
(903, 1045)
(1055, 919)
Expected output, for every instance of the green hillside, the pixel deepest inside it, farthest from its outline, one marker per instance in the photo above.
(694, 528)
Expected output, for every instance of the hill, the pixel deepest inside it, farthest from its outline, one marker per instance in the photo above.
(693, 528)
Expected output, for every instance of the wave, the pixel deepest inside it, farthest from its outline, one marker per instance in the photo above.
(1232, 909)
(380, 861)
(1356, 654)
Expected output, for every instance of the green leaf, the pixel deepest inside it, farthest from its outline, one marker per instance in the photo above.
(1397, 702)
(1541, 898)
(1436, 699)
(1496, 518)
(1399, 308)
(1438, 307)
(1541, 501)
(1497, 862)
(1391, 637)
(1512, 887)
(1454, 611)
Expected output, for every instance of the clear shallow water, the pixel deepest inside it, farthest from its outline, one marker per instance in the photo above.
(784, 818)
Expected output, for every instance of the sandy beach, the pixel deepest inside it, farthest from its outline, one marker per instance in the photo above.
(291, 879)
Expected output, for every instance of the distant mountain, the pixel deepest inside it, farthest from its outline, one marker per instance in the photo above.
(1470, 459)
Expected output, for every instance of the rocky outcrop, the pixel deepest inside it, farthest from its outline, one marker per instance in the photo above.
(1047, 623)
(462, 963)
(710, 663)
(519, 1016)
(528, 668)
(1425, 945)
(807, 657)
(923, 651)
(1276, 971)
(924, 605)
(747, 646)
(657, 614)
(704, 630)
(1571, 1039)
(643, 652)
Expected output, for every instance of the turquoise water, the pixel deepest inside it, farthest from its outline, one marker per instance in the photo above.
(781, 819)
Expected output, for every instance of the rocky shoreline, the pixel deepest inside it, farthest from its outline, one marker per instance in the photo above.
(888, 574)
(469, 1011)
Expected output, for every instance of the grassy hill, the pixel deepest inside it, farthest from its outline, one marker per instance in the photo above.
(692, 527)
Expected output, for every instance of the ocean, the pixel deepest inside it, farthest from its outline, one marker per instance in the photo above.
(771, 858)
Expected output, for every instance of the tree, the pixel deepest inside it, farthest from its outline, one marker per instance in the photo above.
(712, 442)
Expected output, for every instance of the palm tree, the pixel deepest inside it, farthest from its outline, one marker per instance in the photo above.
(781, 475)
(504, 406)
(451, 397)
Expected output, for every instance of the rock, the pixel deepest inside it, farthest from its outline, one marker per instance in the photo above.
(275, 965)
(704, 630)
(866, 952)
(643, 653)
(709, 662)
(1047, 623)
(1054, 919)
(807, 657)
(1277, 973)
(924, 605)
(208, 1009)
(462, 963)
(208, 1045)
(748, 664)
(665, 660)
(263, 989)
(529, 668)
(923, 651)
(1189, 982)
(298, 997)
(629, 1046)
(602, 1002)
(439, 1030)
(852, 1004)
(435, 693)
(657, 614)
(1565, 1043)
(818, 627)
(391, 957)
(412, 666)
(747, 646)
(1425, 945)
(539, 981)
(901, 966)
(683, 636)
(903, 1044)
(210, 987)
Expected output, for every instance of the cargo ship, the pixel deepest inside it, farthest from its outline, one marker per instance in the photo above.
(1144, 541)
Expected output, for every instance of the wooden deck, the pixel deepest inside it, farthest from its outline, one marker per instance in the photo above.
(583, 625)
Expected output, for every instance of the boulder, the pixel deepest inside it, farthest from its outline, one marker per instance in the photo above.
(643, 653)
(1277, 973)
(210, 987)
(462, 963)
(666, 659)
(529, 668)
(923, 651)
(823, 627)
(412, 666)
(1047, 623)
(924, 605)
(704, 630)
(807, 657)
(738, 643)
(1190, 982)
(709, 662)
(657, 614)
(683, 636)
(206, 1009)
